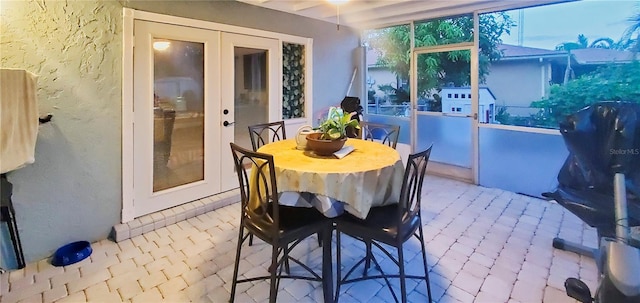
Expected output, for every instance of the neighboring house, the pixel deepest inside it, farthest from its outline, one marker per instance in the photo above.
(536, 69)
(457, 100)
(378, 74)
(531, 68)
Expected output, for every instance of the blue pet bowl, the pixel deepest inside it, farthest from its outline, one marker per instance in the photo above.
(71, 253)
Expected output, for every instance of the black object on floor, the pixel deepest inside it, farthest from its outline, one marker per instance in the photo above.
(8, 214)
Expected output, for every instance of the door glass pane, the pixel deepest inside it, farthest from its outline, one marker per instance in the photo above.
(251, 92)
(387, 58)
(178, 130)
(450, 136)
(444, 31)
(444, 80)
(444, 87)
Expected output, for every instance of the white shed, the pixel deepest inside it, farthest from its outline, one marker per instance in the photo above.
(457, 100)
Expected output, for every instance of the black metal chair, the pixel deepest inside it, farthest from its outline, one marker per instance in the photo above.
(264, 133)
(392, 225)
(260, 135)
(387, 133)
(282, 227)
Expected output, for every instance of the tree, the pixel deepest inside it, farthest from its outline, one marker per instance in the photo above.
(633, 30)
(581, 43)
(614, 82)
(602, 43)
(442, 68)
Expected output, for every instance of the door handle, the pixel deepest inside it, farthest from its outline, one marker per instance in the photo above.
(227, 123)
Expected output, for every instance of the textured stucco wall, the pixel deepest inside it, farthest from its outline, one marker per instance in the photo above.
(72, 192)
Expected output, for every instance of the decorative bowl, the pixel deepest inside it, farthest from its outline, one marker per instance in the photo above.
(324, 147)
(71, 253)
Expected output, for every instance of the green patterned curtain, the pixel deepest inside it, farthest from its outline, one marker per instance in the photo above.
(292, 80)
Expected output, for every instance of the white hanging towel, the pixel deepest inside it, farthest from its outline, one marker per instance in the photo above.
(18, 118)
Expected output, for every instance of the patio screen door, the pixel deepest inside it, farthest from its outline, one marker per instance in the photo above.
(177, 142)
(446, 117)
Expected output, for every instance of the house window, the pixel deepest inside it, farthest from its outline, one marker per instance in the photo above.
(455, 96)
(293, 80)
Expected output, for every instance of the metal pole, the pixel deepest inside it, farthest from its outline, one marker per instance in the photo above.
(620, 207)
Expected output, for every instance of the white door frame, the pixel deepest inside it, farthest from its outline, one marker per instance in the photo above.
(129, 15)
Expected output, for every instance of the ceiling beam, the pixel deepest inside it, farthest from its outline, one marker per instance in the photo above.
(302, 5)
(421, 15)
(355, 7)
(402, 10)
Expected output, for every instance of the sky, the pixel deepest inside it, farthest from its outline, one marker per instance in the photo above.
(547, 26)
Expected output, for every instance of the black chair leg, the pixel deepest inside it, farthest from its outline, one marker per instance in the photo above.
(426, 269)
(338, 266)
(403, 282)
(287, 268)
(250, 239)
(319, 238)
(327, 265)
(368, 256)
(234, 281)
(273, 269)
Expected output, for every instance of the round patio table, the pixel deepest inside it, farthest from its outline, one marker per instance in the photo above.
(371, 175)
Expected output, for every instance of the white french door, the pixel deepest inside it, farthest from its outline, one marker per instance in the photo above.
(194, 91)
(251, 69)
(176, 131)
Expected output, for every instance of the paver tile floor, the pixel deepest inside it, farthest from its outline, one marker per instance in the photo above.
(483, 245)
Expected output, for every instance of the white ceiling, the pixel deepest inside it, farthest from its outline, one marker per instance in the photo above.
(377, 13)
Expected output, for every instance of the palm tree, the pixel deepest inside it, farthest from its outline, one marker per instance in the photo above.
(633, 30)
(602, 43)
(581, 43)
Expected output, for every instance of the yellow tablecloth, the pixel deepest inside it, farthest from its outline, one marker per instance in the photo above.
(371, 175)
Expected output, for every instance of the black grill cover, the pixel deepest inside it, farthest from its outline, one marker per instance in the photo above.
(602, 139)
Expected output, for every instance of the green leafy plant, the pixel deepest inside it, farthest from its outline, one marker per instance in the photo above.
(614, 82)
(335, 126)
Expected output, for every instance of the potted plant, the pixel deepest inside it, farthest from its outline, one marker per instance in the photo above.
(332, 133)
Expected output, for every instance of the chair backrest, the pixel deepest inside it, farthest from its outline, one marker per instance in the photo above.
(258, 190)
(387, 133)
(411, 192)
(264, 133)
